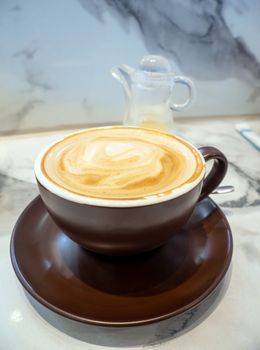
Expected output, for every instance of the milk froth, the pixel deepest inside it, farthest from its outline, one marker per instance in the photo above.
(118, 163)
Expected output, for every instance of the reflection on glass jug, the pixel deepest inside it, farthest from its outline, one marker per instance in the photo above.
(149, 92)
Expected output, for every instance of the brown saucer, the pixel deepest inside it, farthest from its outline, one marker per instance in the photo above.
(111, 291)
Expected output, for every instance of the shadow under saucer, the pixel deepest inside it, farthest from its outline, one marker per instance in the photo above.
(150, 334)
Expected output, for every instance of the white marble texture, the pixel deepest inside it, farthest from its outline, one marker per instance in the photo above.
(55, 56)
(229, 320)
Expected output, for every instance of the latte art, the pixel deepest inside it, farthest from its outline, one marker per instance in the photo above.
(121, 163)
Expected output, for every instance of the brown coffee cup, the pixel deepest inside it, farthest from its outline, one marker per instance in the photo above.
(127, 228)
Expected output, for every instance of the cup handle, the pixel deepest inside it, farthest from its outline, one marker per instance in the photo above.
(187, 82)
(217, 172)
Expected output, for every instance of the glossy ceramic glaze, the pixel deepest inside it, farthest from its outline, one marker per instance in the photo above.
(112, 291)
(120, 231)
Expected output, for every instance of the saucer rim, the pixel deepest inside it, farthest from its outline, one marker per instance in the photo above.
(128, 323)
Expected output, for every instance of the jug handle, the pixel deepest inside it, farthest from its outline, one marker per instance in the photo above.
(191, 91)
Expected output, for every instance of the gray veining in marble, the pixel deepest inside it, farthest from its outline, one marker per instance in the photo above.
(16, 118)
(33, 77)
(252, 195)
(214, 53)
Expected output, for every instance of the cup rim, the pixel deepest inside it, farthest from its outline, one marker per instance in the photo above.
(116, 203)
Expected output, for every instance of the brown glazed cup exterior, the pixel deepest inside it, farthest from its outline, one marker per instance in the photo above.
(120, 231)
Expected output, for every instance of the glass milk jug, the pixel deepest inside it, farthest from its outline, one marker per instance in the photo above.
(149, 92)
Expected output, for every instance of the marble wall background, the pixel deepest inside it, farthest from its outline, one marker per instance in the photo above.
(55, 56)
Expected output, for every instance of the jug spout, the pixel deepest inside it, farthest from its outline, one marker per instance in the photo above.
(123, 73)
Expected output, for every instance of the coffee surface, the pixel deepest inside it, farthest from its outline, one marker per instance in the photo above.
(121, 163)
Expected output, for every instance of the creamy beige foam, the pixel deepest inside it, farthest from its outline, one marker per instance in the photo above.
(121, 163)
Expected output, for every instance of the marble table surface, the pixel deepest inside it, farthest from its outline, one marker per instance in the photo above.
(228, 320)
